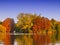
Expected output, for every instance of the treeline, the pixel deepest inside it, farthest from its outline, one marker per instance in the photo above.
(43, 30)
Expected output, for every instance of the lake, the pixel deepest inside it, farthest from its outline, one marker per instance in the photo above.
(15, 43)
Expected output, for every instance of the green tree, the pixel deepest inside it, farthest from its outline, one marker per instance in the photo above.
(0, 22)
(58, 33)
(54, 30)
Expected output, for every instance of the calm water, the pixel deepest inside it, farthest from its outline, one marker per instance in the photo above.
(15, 43)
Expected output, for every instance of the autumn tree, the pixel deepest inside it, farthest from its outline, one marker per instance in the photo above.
(25, 23)
(41, 26)
(9, 24)
(2, 32)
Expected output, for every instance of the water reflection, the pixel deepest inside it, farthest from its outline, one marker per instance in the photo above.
(15, 43)
(28, 39)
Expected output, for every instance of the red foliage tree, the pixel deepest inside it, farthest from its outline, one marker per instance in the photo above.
(9, 24)
(41, 24)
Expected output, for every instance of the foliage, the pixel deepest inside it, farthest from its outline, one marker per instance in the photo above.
(54, 29)
(9, 24)
(40, 27)
(25, 21)
(2, 32)
(58, 33)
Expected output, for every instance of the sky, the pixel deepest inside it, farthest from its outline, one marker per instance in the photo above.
(47, 8)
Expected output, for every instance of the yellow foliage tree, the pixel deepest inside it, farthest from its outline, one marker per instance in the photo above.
(25, 21)
(2, 32)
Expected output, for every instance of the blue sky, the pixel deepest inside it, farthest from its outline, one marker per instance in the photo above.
(11, 8)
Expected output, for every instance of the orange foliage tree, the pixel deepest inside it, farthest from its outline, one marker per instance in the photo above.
(9, 24)
(40, 28)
